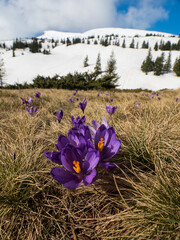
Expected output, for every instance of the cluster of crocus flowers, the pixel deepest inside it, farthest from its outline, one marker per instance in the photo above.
(80, 152)
(78, 121)
(30, 110)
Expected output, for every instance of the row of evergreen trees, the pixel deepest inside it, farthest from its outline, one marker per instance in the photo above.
(110, 68)
(160, 65)
(36, 44)
(168, 46)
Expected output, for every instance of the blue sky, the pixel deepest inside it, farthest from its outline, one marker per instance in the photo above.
(167, 22)
(27, 18)
(172, 24)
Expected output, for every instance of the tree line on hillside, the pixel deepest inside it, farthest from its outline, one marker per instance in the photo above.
(35, 45)
(160, 65)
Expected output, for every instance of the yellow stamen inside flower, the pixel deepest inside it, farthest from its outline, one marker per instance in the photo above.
(76, 166)
(97, 128)
(101, 144)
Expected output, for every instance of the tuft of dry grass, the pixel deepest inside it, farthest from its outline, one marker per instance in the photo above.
(138, 200)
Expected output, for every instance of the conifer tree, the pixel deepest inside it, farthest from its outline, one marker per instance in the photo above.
(86, 61)
(159, 65)
(148, 64)
(111, 65)
(156, 46)
(68, 42)
(124, 44)
(13, 53)
(144, 44)
(167, 65)
(97, 67)
(176, 67)
(132, 44)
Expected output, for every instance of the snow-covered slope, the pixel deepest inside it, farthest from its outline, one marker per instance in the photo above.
(64, 59)
(102, 32)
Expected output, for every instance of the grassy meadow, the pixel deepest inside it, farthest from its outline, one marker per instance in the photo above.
(138, 200)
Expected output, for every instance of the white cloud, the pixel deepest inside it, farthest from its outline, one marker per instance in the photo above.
(144, 15)
(22, 18)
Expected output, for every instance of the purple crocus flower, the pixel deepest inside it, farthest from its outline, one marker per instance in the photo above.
(111, 110)
(74, 93)
(83, 104)
(159, 98)
(59, 115)
(71, 100)
(111, 99)
(76, 89)
(137, 104)
(96, 125)
(76, 139)
(113, 91)
(107, 144)
(77, 99)
(38, 94)
(98, 95)
(177, 99)
(78, 121)
(31, 110)
(26, 101)
(76, 171)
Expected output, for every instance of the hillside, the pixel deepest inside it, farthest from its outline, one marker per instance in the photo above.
(64, 59)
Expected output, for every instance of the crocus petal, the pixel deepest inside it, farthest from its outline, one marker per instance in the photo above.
(67, 179)
(59, 115)
(95, 124)
(92, 131)
(104, 121)
(90, 177)
(31, 110)
(70, 154)
(111, 150)
(108, 165)
(62, 142)
(91, 160)
(100, 133)
(30, 100)
(54, 156)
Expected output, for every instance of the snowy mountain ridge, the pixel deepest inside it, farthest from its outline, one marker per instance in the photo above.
(102, 32)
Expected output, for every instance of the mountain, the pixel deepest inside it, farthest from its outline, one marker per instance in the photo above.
(64, 59)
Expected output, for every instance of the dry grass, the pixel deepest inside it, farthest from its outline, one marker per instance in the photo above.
(139, 200)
